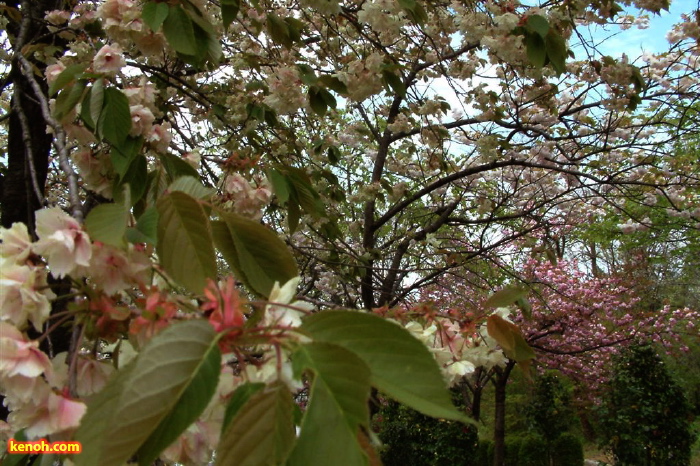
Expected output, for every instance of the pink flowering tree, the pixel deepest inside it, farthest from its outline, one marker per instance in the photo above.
(191, 186)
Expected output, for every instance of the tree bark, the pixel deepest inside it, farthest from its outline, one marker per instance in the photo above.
(499, 433)
(28, 145)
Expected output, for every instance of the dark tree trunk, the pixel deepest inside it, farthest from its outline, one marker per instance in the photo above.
(499, 431)
(28, 144)
(19, 198)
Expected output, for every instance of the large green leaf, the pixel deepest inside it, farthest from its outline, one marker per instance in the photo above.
(184, 241)
(115, 119)
(192, 186)
(179, 31)
(401, 366)
(107, 222)
(229, 11)
(337, 406)
(173, 370)
(146, 230)
(175, 167)
(154, 14)
(262, 431)
(506, 296)
(239, 398)
(66, 77)
(69, 98)
(194, 399)
(255, 252)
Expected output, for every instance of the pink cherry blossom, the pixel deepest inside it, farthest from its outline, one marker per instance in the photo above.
(19, 356)
(62, 241)
(108, 60)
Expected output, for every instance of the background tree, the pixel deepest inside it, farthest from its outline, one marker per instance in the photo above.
(645, 417)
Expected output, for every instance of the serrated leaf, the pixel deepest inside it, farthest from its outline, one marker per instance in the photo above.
(184, 241)
(393, 355)
(193, 400)
(66, 77)
(337, 405)
(239, 398)
(262, 432)
(114, 124)
(229, 11)
(136, 176)
(179, 31)
(107, 222)
(538, 24)
(136, 401)
(258, 253)
(506, 296)
(192, 186)
(154, 14)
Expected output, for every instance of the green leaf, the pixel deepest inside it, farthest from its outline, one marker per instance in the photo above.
(279, 185)
(66, 77)
(333, 83)
(506, 296)
(303, 191)
(293, 215)
(229, 11)
(536, 50)
(69, 98)
(317, 102)
(537, 24)
(508, 335)
(175, 167)
(393, 355)
(258, 254)
(184, 241)
(394, 82)
(107, 222)
(124, 154)
(179, 31)
(97, 100)
(136, 176)
(307, 74)
(146, 230)
(337, 405)
(239, 398)
(114, 123)
(192, 186)
(173, 376)
(556, 51)
(200, 388)
(153, 14)
(261, 432)
(278, 30)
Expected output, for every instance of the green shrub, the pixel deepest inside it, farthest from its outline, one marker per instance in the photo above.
(484, 453)
(567, 450)
(533, 451)
(411, 438)
(549, 412)
(512, 451)
(645, 418)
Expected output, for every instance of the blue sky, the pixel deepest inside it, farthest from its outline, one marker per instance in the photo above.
(634, 42)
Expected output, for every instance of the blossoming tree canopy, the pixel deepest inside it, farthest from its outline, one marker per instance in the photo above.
(176, 172)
